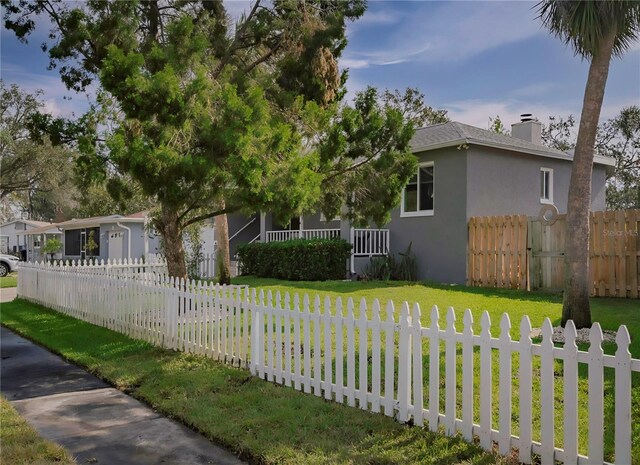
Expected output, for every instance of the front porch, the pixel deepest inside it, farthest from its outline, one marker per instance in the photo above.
(366, 242)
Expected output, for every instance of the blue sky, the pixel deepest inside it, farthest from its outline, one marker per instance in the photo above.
(475, 59)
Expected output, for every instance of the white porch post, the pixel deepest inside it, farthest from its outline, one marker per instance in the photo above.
(301, 227)
(263, 227)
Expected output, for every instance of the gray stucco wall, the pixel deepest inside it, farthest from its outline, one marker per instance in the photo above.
(500, 182)
(438, 241)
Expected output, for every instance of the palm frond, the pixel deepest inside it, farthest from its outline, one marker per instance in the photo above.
(583, 24)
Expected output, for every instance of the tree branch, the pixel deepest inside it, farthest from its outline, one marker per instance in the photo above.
(206, 216)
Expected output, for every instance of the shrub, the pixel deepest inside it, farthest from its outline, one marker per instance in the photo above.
(387, 268)
(296, 260)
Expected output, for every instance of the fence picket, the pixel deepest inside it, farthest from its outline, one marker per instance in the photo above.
(317, 347)
(504, 436)
(363, 353)
(450, 373)
(417, 383)
(351, 354)
(596, 389)
(307, 346)
(623, 398)
(467, 376)
(389, 361)
(375, 356)
(328, 358)
(547, 390)
(404, 365)
(485, 381)
(296, 343)
(434, 369)
(525, 382)
(339, 352)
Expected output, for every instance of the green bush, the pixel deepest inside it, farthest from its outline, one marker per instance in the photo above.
(296, 260)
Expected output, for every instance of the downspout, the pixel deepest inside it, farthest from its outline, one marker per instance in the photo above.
(145, 233)
(128, 238)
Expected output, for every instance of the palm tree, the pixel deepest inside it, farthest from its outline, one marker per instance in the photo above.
(596, 30)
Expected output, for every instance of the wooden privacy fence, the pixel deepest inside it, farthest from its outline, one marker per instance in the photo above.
(522, 252)
(377, 358)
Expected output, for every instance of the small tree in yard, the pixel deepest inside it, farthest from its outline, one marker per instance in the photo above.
(597, 30)
(91, 245)
(214, 117)
(52, 246)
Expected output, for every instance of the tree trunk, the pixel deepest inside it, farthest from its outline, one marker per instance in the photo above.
(173, 246)
(576, 259)
(222, 253)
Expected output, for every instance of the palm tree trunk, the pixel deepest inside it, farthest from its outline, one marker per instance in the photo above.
(222, 253)
(576, 260)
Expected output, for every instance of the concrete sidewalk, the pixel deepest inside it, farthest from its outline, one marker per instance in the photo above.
(94, 422)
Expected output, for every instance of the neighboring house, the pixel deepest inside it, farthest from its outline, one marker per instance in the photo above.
(116, 237)
(11, 239)
(464, 171)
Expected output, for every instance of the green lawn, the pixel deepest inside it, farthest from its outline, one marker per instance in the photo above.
(11, 280)
(609, 312)
(262, 422)
(22, 445)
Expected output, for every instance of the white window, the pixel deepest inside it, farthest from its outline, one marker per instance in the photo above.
(546, 185)
(417, 196)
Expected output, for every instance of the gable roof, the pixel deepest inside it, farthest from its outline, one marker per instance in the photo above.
(35, 224)
(454, 133)
(77, 223)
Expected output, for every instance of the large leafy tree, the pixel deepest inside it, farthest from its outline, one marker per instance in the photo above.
(211, 114)
(31, 169)
(596, 31)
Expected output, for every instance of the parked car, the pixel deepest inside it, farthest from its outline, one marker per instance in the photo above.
(8, 263)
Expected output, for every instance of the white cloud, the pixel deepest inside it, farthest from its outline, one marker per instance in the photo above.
(477, 112)
(455, 31)
(56, 99)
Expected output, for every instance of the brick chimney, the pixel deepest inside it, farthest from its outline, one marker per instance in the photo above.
(529, 129)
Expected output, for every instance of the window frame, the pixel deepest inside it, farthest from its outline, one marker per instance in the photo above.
(404, 214)
(543, 200)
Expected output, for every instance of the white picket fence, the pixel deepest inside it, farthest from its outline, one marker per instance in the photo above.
(206, 267)
(370, 358)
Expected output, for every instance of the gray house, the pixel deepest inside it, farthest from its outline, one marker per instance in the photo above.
(115, 236)
(12, 241)
(464, 171)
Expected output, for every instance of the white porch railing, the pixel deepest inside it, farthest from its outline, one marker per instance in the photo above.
(278, 236)
(368, 242)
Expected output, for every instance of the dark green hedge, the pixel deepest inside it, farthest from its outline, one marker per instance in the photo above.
(296, 260)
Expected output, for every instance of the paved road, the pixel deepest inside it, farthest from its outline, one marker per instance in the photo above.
(94, 422)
